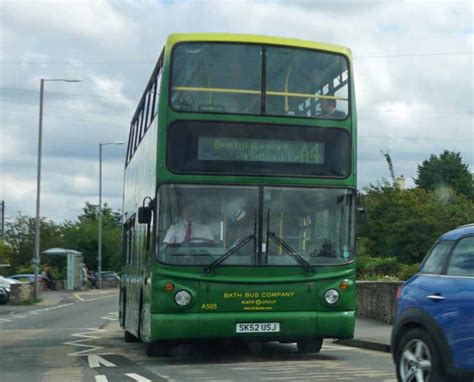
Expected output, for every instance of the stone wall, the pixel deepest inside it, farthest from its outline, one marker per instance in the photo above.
(21, 292)
(110, 283)
(376, 299)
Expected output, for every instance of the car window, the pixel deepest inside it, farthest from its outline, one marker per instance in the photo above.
(462, 258)
(436, 257)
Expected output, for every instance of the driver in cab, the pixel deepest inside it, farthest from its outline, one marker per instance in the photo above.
(189, 229)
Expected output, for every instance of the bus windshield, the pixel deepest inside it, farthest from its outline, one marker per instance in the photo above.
(198, 223)
(234, 78)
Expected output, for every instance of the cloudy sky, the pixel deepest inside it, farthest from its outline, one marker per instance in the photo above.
(413, 70)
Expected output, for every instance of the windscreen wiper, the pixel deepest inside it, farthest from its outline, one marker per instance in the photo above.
(229, 253)
(290, 251)
(235, 248)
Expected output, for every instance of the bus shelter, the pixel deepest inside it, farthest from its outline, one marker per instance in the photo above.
(74, 266)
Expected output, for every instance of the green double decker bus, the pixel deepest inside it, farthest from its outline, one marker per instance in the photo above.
(240, 194)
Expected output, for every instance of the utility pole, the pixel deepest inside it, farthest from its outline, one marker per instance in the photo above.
(2, 218)
(99, 241)
(36, 254)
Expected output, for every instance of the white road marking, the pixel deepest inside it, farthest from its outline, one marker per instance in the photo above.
(101, 378)
(109, 318)
(138, 377)
(100, 298)
(96, 360)
(5, 319)
(89, 335)
(112, 316)
(63, 305)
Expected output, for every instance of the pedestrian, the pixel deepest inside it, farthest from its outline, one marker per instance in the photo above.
(46, 279)
(92, 278)
(50, 278)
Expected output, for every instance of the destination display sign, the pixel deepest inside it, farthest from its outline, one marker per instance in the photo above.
(260, 150)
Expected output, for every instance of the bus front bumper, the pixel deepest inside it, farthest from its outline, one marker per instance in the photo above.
(293, 325)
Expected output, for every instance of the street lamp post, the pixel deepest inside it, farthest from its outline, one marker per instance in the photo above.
(36, 254)
(99, 244)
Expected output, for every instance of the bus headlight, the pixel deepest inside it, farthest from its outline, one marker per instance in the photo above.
(331, 296)
(182, 298)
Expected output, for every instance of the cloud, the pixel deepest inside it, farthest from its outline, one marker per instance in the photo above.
(91, 20)
(414, 83)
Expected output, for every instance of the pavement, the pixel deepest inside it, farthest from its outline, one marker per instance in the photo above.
(371, 335)
(54, 298)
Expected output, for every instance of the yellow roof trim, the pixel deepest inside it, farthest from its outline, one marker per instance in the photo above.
(256, 39)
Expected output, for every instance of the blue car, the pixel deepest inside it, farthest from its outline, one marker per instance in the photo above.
(433, 334)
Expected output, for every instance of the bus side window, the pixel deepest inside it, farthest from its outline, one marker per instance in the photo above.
(124, 244)
(132, 251)
(128, 242)
(156, 98)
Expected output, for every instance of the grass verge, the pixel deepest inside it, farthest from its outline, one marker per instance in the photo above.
(30, 301)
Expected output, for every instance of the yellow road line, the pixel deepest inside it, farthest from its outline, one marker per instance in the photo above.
(78, 297)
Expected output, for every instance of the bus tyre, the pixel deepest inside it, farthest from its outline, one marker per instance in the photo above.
(310, 346)
(129, 337)
(156, 349)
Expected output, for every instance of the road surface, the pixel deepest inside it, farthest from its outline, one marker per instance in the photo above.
(80, 340)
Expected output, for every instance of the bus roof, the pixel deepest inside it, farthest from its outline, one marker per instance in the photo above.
(256, 39)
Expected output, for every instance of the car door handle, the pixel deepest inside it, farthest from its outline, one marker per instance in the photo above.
(435, 297)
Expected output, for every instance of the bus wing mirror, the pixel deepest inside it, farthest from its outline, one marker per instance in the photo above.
(360, 215)
(145, 211)
(144, 215)
(360, 209)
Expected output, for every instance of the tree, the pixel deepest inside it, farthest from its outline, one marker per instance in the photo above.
(82, 236)
(20, 235)
(391, 168)
(5, 252)
(446, 171)
(404, 224)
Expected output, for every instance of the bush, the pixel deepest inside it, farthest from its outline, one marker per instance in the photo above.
(25, 269)
(408, 270)
(383, 269)
(369, 267)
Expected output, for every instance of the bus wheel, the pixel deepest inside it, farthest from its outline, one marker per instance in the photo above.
(310, 346)
(129, 337)
(157, 349)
